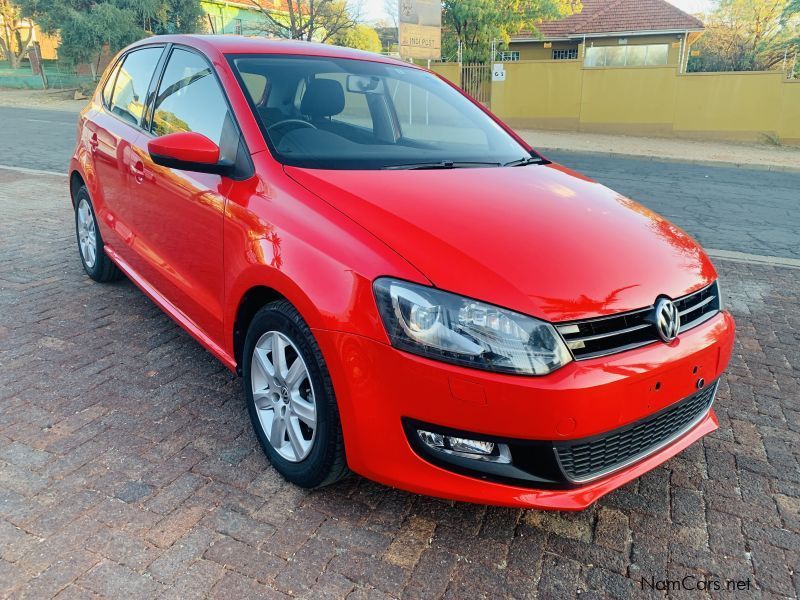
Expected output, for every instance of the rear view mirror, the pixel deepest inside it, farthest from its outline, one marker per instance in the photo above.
(188, 151)
(364, 84)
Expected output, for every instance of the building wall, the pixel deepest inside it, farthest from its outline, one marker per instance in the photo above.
(226, 14)
(655, 101)
(537, 51)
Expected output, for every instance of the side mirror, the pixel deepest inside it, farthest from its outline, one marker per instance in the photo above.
(188, 151)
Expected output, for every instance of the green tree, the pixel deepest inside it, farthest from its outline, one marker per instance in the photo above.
(361, 37)
(15, 35)
(748, 35)
(477, 23)
(309, 20)
(85, 27)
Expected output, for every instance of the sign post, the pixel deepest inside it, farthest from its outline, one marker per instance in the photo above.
(420, 29)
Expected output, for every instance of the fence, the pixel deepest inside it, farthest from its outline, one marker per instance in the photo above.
(58, 77)
(476, 80)
(565, 95)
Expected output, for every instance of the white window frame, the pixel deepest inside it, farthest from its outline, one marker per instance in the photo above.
(507, 55)
(647, 47)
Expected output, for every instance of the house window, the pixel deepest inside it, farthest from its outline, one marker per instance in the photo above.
(237, 26)
(626, 56)
(508, 55)
(565, 54)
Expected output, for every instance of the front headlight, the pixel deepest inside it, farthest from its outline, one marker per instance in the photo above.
(465, 332)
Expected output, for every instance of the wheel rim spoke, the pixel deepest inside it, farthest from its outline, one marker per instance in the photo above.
(279, 357)
(278, 430)
(263, 399)
(295, 438)
(304, 410)
(263, 364)
(296, 374)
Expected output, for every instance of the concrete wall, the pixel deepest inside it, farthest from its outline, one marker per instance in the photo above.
(655, 101)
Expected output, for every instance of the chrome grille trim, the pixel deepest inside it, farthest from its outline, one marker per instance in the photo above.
(602, 336)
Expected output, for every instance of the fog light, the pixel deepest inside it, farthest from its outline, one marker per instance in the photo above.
(434, 440)
(458, 444)
(465, 447)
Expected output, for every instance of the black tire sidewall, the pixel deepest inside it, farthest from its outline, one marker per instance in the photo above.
(313, 470)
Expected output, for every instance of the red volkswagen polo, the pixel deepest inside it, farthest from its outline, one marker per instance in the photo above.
(408, 289)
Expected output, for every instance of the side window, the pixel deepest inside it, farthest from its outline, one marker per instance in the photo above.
(133, 79)
(109, 86)
(190, 99)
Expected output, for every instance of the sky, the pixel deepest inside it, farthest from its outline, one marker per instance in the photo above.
(374, 9)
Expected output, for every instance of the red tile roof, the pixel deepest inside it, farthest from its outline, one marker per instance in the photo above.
(607, 16)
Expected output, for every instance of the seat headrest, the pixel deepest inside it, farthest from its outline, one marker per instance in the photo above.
(323, 98)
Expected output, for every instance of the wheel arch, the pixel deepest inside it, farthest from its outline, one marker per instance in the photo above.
(249, 304)
(76, 181)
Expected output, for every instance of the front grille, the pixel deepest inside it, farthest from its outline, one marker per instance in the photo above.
(607, 335)
(584, 460)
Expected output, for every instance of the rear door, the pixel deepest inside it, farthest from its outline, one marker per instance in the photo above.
(111, 131)
(179, 214)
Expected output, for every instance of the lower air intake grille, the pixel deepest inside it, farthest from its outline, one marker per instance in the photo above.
(583, 460)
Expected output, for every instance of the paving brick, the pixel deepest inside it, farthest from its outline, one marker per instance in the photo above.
(242, 558)
(115, 581)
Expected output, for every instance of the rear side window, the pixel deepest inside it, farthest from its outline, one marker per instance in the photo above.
(108, 89)
(133, 80)
(190, 99)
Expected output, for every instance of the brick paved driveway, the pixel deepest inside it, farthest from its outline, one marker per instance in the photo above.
(127, 466)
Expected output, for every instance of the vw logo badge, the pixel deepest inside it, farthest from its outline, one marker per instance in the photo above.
(667, 319)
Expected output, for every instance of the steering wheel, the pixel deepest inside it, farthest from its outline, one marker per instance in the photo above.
(287, 121)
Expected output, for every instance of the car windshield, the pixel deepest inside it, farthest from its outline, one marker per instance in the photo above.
(333, 113)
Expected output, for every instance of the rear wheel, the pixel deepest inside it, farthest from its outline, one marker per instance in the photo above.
(93, 257)
(290, 398)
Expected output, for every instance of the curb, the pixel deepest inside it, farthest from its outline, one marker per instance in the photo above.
(704, 163)
(753, 259)
(32, 171)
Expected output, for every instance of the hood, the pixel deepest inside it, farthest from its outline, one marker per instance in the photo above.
(541, 240)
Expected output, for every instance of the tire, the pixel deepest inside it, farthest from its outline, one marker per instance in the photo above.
(90, 244)
(308, 457)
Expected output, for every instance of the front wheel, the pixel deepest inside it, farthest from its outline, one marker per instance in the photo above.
(290, 398)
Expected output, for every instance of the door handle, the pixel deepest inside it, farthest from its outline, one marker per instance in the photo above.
(137, 170)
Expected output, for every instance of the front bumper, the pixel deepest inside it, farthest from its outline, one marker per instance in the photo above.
(379, 387)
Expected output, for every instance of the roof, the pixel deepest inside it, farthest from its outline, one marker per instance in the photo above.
(237, 44)
(617, 16)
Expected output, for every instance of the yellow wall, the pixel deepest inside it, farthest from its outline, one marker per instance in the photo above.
(628, 100)
(646, 101)
(553, 102)
(449, 71)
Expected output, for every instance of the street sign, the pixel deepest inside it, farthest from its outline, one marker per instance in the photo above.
(498, 72)
(420, 29)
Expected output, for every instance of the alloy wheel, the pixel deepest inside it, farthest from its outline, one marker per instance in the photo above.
(87, 238)
(283, 396)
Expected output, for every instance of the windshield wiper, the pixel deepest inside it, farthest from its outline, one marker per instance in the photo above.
(442, 164)
(528, 160)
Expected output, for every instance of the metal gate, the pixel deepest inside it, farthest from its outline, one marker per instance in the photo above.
(476, 80)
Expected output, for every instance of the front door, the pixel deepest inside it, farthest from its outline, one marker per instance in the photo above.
(180, 213)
